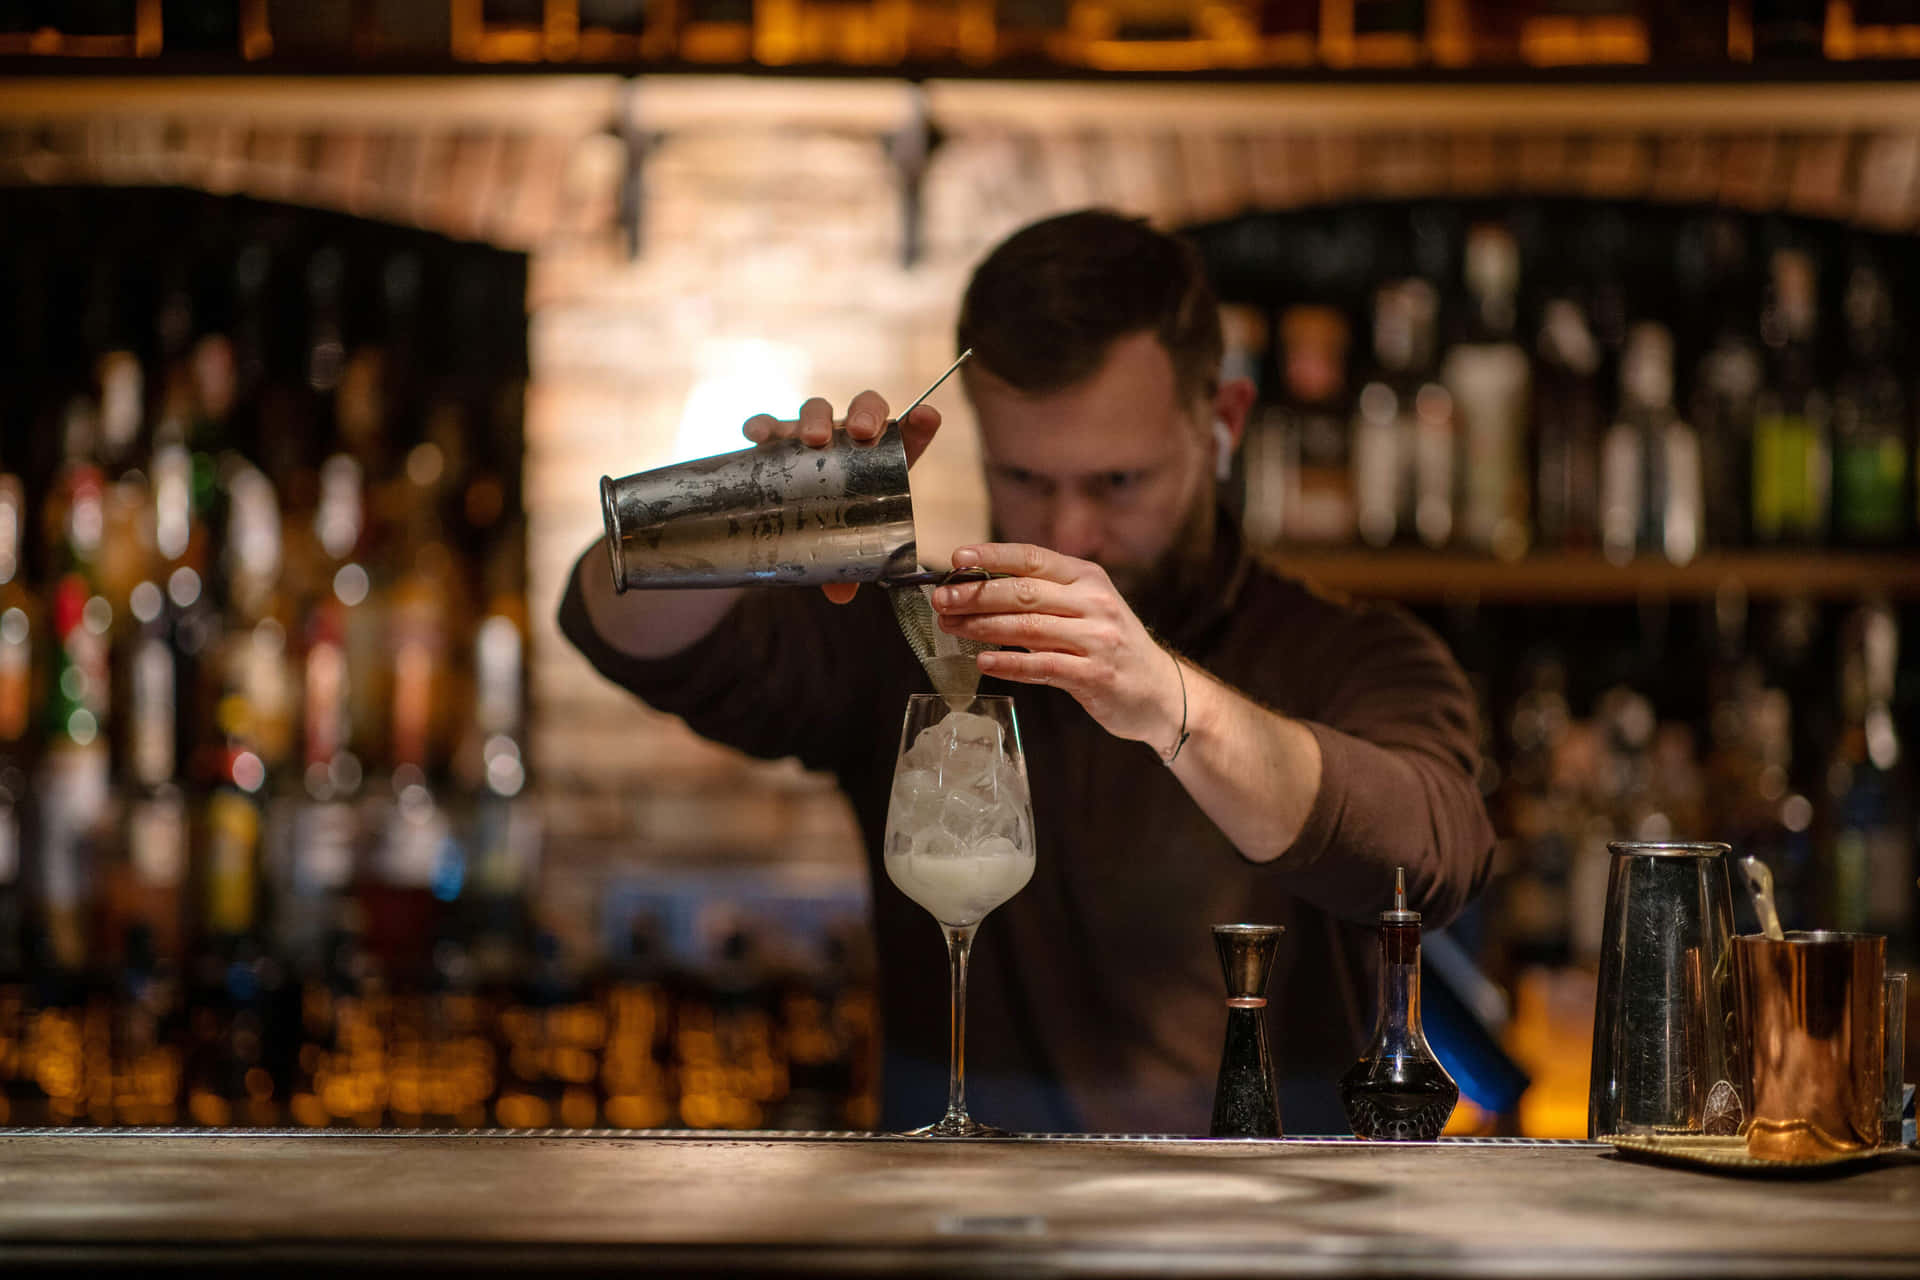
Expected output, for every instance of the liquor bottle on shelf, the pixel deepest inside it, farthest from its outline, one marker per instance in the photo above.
(118, 406)
(1288, 32)
(1403, 440)
(1320, 506)
(254, 646)
(1870, 460)
(1791, 463)
(1688, 34)
(1493, 30)
(1650, 461)
(236, 981)
(422, 618)
(1873, 29)
(498, 728)
(1788, 30)
(1487, 375)
(504, 827)
(419, 861)
(1872, 875)
(18, 633)
(1017, 31)
(1726, 384)
(714, 30)
(148, 880)
(233, 1075)
(75, 816)
(1382, 438)
(14, 942)
(186, 628)
(316, 856)
(1158, 35)
(355, 541)
(1578, 32)
(1389, 33)
(21, 638)
(1567, 427)
(1380, 478)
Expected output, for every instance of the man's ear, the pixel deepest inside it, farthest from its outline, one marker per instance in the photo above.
(1232, 406)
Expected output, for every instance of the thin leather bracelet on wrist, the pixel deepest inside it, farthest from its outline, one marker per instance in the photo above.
(1169, 757)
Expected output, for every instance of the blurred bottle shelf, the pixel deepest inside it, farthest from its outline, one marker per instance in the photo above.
(1747, 77)
(1588, 577)
(1211, 37)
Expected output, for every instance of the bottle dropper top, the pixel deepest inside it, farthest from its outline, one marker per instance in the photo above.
(1399, 914)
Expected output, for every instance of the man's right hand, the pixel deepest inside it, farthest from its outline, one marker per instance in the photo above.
(866, 419)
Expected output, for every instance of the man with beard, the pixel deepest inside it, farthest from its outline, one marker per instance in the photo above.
(1208, 741)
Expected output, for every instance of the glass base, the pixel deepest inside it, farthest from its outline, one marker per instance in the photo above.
(955, 1124)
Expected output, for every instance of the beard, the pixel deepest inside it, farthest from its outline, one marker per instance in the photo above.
(1176, 587)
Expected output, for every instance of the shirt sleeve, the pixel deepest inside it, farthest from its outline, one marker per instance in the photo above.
(771, 679)
(1398, 736)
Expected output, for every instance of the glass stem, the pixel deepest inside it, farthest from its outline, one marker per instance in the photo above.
(959, 945)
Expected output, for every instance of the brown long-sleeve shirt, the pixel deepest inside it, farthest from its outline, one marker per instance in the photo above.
(1095, 995)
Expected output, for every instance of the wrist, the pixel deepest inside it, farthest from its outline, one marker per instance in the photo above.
(1169, 746)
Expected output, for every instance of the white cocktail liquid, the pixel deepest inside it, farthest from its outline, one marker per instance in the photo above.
(959, 826)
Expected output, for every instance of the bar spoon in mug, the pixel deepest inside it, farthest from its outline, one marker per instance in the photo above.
(1760, 885)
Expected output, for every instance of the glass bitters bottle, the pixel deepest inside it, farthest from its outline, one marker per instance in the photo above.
(1398, 1089)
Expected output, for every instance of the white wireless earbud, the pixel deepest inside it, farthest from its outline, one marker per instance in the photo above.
(1222, 450)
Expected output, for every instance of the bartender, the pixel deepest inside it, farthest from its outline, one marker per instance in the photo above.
(1207, 739)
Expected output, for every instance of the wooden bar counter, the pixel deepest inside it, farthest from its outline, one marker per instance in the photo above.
(571, 1203)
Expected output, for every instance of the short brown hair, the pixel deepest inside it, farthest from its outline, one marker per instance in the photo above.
(1042, 309)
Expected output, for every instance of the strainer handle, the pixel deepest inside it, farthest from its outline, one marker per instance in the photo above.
(937, 577)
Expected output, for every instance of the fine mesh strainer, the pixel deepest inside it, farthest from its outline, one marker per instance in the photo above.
(948, 659)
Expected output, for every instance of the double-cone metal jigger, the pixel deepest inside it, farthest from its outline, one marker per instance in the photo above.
(1246, 1103)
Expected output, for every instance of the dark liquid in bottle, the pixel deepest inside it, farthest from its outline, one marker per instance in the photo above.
(1397, 1097)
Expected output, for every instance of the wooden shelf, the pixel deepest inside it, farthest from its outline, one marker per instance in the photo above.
(1570, 578)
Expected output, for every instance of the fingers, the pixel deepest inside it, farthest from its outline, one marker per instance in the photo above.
(866, 419)
(1062, 670)
(867, 416)
(917, 430)
(816, 422)
(840, 592)
(1007, 595)
(1035, 631)
(1024, 560)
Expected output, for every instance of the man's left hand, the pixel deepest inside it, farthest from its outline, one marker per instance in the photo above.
(1078, 633)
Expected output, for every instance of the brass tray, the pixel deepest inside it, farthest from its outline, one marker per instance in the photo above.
(1729, 1155)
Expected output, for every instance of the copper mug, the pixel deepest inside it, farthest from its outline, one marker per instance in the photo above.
(1811, 1020)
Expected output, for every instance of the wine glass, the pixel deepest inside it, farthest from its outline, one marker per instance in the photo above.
(959, 842)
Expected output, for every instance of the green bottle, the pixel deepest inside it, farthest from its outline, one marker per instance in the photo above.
(1791, 467)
